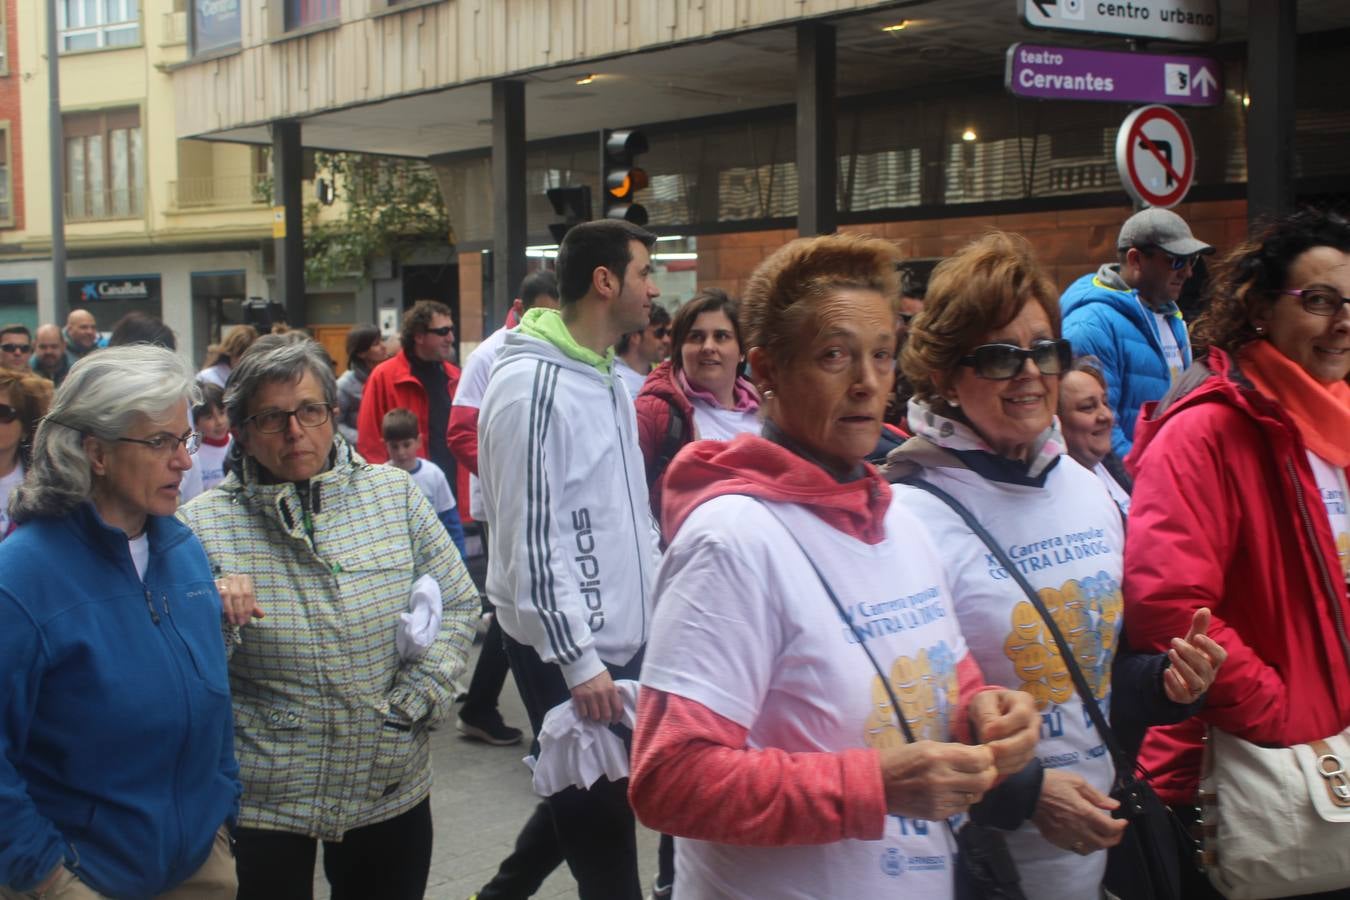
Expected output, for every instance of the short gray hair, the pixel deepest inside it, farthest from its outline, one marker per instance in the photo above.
(105, 395)
(274, 358)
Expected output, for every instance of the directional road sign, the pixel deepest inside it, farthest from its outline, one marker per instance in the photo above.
(1155, 156)
(1068, 73)
(1191, 21)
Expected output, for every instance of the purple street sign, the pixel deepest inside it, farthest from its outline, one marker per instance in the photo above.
(1068, 73)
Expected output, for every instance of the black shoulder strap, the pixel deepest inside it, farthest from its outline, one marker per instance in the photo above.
(1080, 684)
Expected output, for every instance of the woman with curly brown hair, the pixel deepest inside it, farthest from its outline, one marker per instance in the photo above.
(24, 398)
(1239, 503)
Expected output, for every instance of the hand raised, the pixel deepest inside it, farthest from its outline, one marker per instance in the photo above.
(1195, 661)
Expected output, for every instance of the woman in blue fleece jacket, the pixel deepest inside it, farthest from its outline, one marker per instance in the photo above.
(117, 768)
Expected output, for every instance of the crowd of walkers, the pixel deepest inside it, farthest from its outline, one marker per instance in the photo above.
(850, 586)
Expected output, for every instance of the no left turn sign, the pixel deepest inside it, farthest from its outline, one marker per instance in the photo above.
(1155, 156)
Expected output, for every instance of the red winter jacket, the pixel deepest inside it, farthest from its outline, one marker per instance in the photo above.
(392, 384)
(1226, 514)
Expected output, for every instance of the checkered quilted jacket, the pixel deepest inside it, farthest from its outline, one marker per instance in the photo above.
(330, 726)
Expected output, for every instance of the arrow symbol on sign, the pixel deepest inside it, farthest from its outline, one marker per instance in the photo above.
(1204, 79)
(1042, 4)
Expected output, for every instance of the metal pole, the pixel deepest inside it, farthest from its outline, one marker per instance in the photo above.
(817, 158)
(56, 163)
(1271, 44)
(509, 230)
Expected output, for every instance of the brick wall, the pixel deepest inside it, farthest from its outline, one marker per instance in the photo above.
(9, 106)
(1069, 243)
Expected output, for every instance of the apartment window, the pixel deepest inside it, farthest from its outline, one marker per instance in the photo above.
(97, 24)
(300, 13)
(105, 164)
(6, 182)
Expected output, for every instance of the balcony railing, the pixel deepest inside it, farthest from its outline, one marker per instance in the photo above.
(224, 190)
(114, 203)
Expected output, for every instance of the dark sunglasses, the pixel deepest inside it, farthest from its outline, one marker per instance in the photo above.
(906, 317)
(1177, 262)
(999, 362)
(442, 331)
(661, 331)
(16, 348)
(7, 414)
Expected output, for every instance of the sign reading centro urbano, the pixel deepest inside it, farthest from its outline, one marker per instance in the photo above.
(1191, 21)
(1068, 73)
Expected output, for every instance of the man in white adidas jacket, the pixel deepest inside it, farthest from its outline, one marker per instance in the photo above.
(572, 549)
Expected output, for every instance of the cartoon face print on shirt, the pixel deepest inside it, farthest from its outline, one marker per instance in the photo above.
(925, 687)
(1087, 613)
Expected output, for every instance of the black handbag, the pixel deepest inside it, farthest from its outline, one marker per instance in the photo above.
(984, 868)
(1146, 864)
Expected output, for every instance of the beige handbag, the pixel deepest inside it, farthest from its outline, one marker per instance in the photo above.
(1275, 821)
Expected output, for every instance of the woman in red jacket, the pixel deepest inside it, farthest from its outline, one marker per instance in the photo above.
(699, 393)
(1239, 503)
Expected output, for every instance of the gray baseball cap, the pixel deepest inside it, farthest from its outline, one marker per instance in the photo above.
(1160, 228)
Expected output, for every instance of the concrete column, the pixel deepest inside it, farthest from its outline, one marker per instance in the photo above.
(1271, 40)
(508, 196)
(290, 245)
(817, 164)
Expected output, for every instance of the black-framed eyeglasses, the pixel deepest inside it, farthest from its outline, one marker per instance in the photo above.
(443, 331)
(16, 348)
(1177, 262)
(167, 444)
(1319, 301)
(999, 362)
(310, 415)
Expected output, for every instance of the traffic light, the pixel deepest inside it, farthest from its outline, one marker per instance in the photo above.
(573, 204)
(620, 178)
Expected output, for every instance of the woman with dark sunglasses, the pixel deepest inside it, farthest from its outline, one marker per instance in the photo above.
(699, 393)
(117, 767)
(985, 357)
(1239, 503)
(24, 398)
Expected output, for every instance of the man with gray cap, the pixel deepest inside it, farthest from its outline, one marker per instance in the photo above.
(1126, 315)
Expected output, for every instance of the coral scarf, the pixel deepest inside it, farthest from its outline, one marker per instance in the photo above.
(1321, 411)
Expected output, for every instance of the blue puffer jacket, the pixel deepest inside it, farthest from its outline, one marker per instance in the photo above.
(116, 738)
(1103, 317)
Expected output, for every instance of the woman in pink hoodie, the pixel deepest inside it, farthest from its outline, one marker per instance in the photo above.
(804, 627)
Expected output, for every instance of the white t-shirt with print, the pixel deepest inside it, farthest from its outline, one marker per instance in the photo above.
(744, 628)
(713, 423)
(1331, 485)
(1176, 361)
(211, 459)
(1067, 539)
(1113, 487)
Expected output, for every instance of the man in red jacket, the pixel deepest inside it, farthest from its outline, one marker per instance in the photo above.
(421, 378)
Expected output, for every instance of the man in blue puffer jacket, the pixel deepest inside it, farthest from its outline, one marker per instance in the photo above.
(1126, 315)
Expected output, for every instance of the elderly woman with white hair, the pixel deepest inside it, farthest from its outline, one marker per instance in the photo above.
(332, 703)
(117, 768)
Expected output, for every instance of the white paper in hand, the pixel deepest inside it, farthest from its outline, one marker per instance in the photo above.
(575, 752)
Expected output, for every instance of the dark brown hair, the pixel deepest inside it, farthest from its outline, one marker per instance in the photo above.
(705, 301)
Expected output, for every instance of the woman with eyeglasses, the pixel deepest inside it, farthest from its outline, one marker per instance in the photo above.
(985, 357)
(699, 393)
(1239, 503)
(117, 767)
(322, 559)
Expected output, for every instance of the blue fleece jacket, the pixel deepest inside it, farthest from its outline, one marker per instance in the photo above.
(1103, 317)
(116, 736)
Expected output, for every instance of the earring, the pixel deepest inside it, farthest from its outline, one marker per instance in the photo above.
(1260, 329)
(766, 393)
(954, 403)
